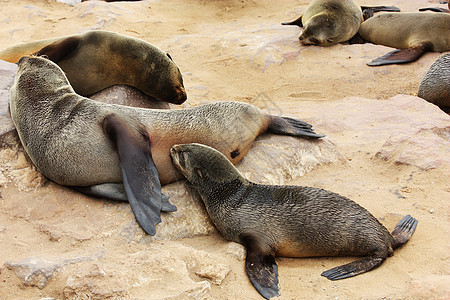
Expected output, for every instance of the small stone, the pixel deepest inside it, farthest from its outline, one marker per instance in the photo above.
(237, 250)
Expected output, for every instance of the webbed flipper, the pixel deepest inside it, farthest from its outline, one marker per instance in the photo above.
(139, 173)
(401, 56)
(261, 269)
(354, 268)
(297, 22)
(292, 127)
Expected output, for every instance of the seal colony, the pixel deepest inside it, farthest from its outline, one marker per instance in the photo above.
(413, 34)
(122, 152)
(328, 22)
(292, 221)
(99, 59)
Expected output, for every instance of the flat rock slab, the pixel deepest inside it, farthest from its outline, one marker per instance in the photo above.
(7, 74)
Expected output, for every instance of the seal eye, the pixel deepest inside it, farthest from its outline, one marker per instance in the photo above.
(168, 55)
(234, 153)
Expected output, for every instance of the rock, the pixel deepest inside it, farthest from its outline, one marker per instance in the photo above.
(237, 250)
(206, 266)
(7, 129)
(93, 282)
(274, 159)
(38, 271)
(129, 96)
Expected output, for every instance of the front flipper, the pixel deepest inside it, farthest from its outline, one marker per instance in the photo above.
(292, 127)
(261, 269)
(297, 22)
(116, 191)
(139, 173)
(401, 56)
(354, 268)
(58, 50)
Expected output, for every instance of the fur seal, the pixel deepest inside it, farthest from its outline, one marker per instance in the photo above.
(123, 152)
(328, 22)
(412, 34)
(435, 85)
(291, 221)
(99, 59)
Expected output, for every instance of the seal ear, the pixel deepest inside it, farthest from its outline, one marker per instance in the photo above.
(199, 173)
(58, 50)
(139, 173)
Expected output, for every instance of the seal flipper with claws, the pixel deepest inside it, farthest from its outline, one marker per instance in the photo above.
(401, 234)
(292, 127)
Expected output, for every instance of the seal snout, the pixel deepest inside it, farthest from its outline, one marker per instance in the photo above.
(181, 95)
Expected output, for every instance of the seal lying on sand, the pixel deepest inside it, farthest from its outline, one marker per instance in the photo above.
(94, 146)
(328, 22)
(412, 34)
(292, 221)
(435, 85)
(96, 60)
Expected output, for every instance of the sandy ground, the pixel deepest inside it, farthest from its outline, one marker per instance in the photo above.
(236, 50)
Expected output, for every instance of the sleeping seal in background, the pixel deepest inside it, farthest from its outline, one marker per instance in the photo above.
(328, 22)
(122, 152)
(291, 221)
(435, 85)
(412, 34)
(99, 59)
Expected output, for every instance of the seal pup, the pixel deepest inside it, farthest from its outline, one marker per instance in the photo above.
(412, 34)
(328, 22)
(123, 152)
(291, 221)
(435, 85)
(99, 59)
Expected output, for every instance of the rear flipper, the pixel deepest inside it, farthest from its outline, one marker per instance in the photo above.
(401, 56)
(261, 269)
(297, 22)
(354, 268)
(292, 127)
(404, 230)
(435, 9)
(116, 191)
(381, 8)
(139, 173)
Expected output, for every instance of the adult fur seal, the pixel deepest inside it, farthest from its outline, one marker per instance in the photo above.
(412, 34)
(94, 146)
(328, 22)
(435, 85)
(292, 221)
(96, 60)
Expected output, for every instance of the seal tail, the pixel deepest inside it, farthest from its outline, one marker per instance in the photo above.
(403, 231)
(14, 53)
(292, 127)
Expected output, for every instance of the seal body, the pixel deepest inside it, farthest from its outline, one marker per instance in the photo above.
(291, 221)
(413, 33)
(96, 60)
(328, 22)
(76, 141)
(435, 85)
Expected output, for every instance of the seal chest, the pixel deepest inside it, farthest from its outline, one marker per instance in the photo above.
(292, 221)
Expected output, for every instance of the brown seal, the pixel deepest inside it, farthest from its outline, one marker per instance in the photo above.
(96, 60)
(412, 34)
(328, 22)
(435, 85)
(291, 221)
(94, 146)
